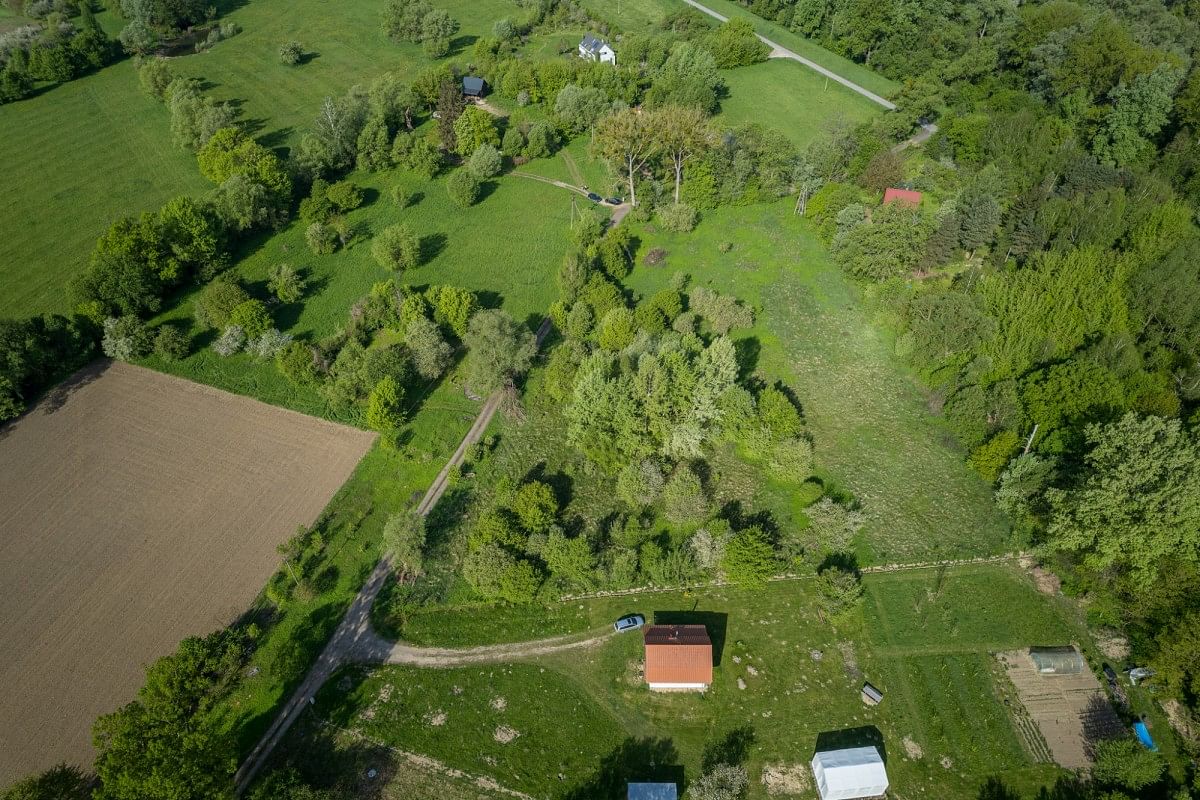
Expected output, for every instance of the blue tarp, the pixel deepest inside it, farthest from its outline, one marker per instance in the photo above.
(1143, 735)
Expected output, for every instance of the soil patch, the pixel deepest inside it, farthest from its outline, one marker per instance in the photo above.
(1071, 711)
(913, 749)
(138, 509)
(786, 779)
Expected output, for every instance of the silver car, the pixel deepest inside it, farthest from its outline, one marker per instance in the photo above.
(629, 622)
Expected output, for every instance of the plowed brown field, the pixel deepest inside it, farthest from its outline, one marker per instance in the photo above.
(137, 509)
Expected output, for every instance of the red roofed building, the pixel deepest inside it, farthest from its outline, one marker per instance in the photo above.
(906, 196)
(678, 658)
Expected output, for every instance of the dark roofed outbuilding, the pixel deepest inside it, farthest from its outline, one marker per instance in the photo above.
(473, 86)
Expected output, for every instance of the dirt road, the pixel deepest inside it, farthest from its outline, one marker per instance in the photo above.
(354, 635)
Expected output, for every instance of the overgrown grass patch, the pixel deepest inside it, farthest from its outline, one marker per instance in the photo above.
(520, 724)
(872, 432)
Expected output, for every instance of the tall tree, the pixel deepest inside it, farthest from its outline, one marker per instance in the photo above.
(684, 133)
(628, 138)
(1139, 504)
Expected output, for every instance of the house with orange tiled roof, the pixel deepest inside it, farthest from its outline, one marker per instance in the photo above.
(905, 196)
(679, 658)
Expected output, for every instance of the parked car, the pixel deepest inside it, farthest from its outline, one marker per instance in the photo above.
(629, 622)
(595, 198)
(613, 201)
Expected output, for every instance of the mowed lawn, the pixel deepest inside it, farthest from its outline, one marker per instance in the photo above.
(872, 432)
(793, 99)
(784, 681)
(75, 158)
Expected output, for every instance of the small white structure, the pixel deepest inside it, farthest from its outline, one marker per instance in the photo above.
(850, 773)
(596, 49)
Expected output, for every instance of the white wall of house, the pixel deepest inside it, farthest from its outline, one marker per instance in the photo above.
(678, 687)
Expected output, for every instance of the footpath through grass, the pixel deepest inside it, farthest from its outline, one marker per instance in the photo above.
(872, 432)
(784, 682)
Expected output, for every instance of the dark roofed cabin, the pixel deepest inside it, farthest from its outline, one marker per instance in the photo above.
(472, 86)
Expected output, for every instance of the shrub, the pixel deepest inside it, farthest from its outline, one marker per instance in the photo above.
(791, 460)
(840, 590)
(397, 247)
(463, 188)
(778, 414)
(677, 217)
(485, 162)
(230, 341)
(171, 343)
(722, 312)
(725, 247)
(749, 559)
(684, 499)
(290, 53)
(540, 141)
(640, 484)
(617, 329)
(125, 338)
(217, 301)
(252, 317)
(384, 411)
(296, 363)
(269, 344)
(286, 283)
(155, 76)
(345, 196)
(513, 143)
(321, 238)
(991, 457)
(401, 196)
(536, 507)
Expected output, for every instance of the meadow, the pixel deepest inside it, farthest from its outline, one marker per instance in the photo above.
(872, 431)
(784, 681)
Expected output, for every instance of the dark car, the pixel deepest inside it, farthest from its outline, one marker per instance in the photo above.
(613, 201)
(629, 622)
(595, 198)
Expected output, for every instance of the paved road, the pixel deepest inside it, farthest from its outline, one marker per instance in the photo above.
(354, 634)
(779, 51)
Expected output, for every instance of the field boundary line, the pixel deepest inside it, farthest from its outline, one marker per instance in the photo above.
(876, 570)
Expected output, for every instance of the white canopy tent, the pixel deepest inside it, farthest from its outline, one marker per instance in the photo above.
(848, 774)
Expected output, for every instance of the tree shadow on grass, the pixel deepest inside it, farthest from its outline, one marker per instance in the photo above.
(432, 246)
(638, 760)
(733, 749)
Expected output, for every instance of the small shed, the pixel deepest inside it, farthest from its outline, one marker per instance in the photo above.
(653, 791)
(679, 658)
(473, 86)
(1065, 660)
(870, 695)
(904, 196)
(850, 773)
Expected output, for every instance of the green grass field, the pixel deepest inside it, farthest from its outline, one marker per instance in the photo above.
(791, 98)
(579, 709)
(507, 247)
(872, 431)
(75, 158)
